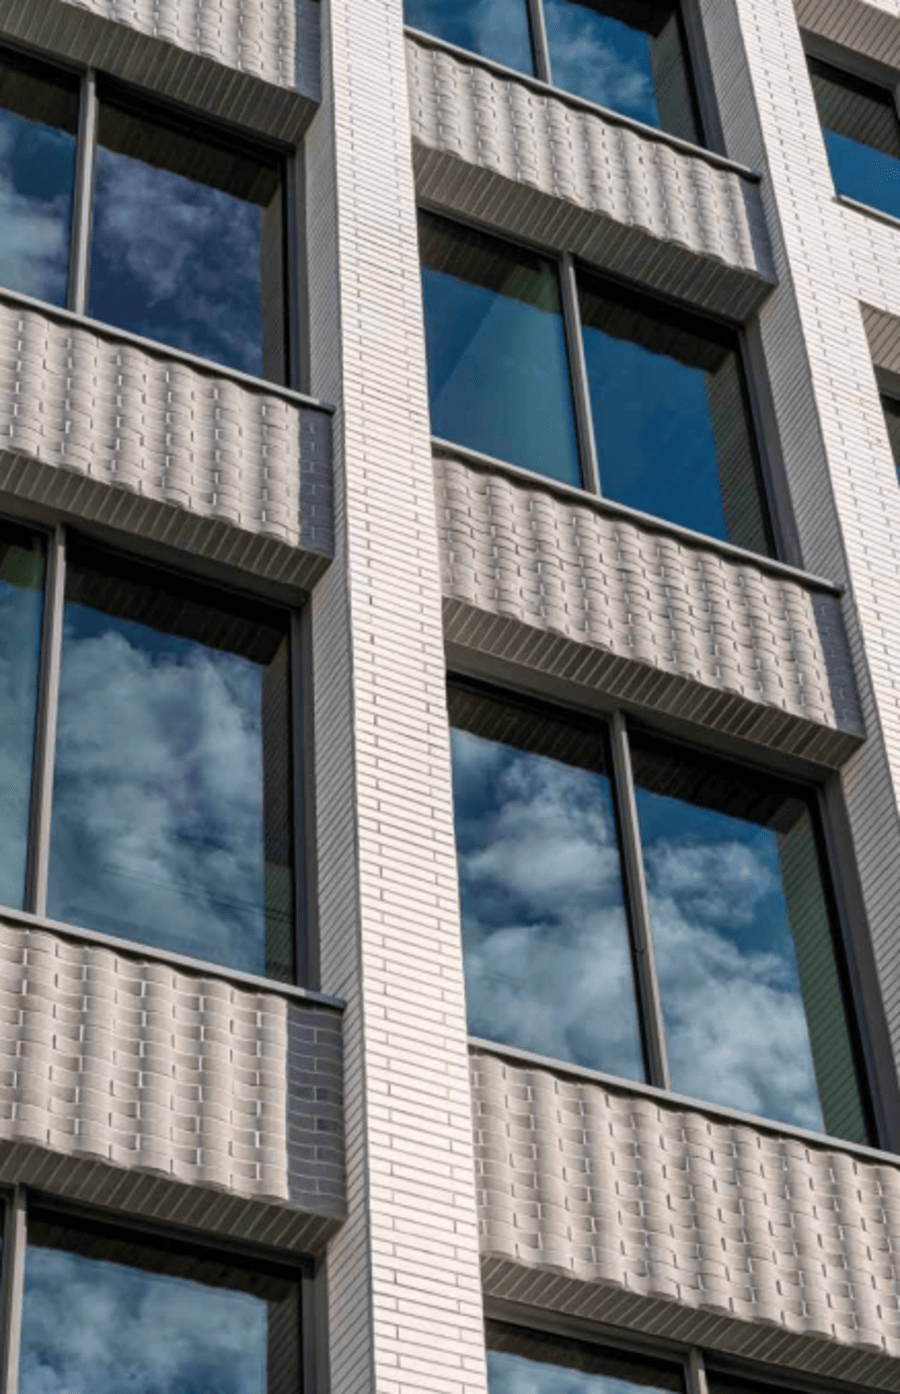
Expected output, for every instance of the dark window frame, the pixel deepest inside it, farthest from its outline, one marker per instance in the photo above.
(95, 86)
(872, 1079)
(297, 625)
(656, 304)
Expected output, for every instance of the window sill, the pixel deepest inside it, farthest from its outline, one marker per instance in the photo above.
(867, 210)
(135, 949)
(716, 1113)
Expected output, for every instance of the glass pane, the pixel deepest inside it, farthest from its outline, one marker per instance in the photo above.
(751, 991)
(525, 1362)
(21, 610)
(627, 55)
(547, 956)
(670, 420)
(187, 243)
(498, 372)
(862, 136)
(38, 122)
(892, 420)
(496, 29)
(172, 798)
(104, 1315)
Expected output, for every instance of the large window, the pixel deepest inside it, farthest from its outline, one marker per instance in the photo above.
(100, 1310)
(862, 136)
(160, 804)
(664, 389)
(891, 408)
(639, 909)
(529, 1362)
(630, 56)
(181, 233)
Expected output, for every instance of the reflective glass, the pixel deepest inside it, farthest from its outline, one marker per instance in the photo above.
(38, 122)
(496, 29)
(751, 990)
(547, 958)
(172, 804)
(104, 1315)
(21, 608)
(891, 407)
(187, 242)
(627, 55)
(670, 419)
(498, 372)
(862, 136)
(524, 1362)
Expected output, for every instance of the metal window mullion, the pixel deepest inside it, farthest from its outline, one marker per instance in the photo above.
(696, 1373)
(584, 418)
(85, 160)
(48, 708)
(639, 908)
(539, 43)
(296, 286)
(15, 1237)
(303, 803)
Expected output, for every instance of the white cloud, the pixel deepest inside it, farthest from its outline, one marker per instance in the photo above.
(514, 1374)
(34, 232)
(584, 62)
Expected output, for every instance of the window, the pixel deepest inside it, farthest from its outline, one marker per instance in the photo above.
(862, 136)
(891, 408)
(664, 388)
(711, 967)
(103, 1310)
(184, 242)
(521, 1360)
(627, 55)
(160, 808)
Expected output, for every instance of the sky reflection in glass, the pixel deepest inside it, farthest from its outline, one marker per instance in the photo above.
(496, 29)
(172, 783)
(187, 244)
(514, 1374)
(547, 958)
(529, 1362)
(38, 120)
(498, 372)
(862, 136)
(601, 58)
(90, 1326)
(21, 608)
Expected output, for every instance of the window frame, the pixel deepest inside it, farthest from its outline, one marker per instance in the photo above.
(772, 501)
(93, 86)
(298, 628)
(850, 940)
(307, 1272)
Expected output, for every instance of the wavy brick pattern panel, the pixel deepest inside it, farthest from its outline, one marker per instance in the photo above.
(598, 1200)
(538, 165)
(168, 1075)
(120, 416)
(594, 596)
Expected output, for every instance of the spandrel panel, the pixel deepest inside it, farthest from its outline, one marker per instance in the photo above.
(172, 797)
(498, 373)
(187, 243)
(547, 957)
(627, 55)
(100, 1317)
(752, 998)
(21, 611)
(38, 122)
(496, 29)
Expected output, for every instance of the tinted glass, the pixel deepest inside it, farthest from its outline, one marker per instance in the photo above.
(862, 136)
(187, 243)
(171, 812)
(102, 1316)
(670, 420)
(751, 992)
(498, 374)
(21, 606)
(891, 408)
(38, 121)
(496, 29)
(523, 1362)
(547, 959)
(628, 55)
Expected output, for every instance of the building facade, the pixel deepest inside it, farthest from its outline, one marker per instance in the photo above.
(449, 705)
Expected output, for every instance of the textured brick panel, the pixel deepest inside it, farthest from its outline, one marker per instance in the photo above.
(619, 1206)
(170, 1075)
(593, 596)
(155, 445)
(251, 61)
(543, 167)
